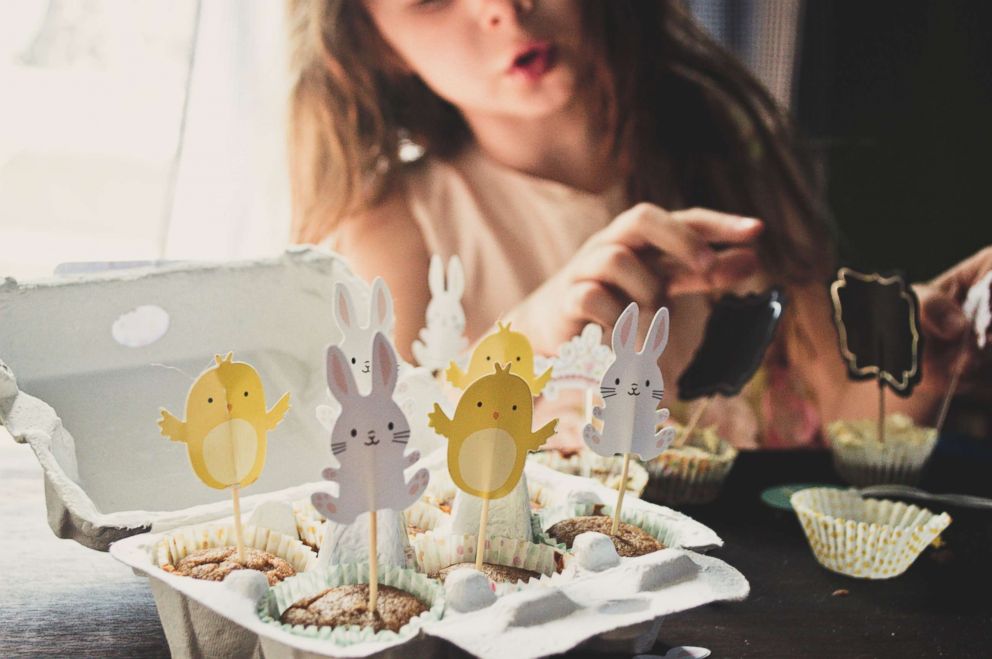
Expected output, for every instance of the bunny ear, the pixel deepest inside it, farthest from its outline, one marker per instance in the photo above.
(456, 277)
(381, 313)
(385, 369)
(435, 276)
(344, 308)
(339, 378)
(657, 338)
(625, 330)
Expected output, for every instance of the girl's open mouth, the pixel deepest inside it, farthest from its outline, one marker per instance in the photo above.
(535, 60)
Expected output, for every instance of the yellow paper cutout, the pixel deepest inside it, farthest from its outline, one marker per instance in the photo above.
(502, 347)
(490, 436)
(226, 424)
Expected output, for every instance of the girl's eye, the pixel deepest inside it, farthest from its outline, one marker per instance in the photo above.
(390, 426)
(617, 381)
(210, 400)
(479, 404)
(354, 433)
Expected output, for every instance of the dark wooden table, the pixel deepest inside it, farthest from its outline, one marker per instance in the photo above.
(59, 598)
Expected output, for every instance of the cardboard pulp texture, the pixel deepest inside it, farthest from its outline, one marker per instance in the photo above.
(96, 355)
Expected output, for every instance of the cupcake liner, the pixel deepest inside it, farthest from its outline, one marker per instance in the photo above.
(601, 469)
(424, 516)
(865, 538)
(179, 543)
(655, 525)
(679, 477)
(435, 552)
(874, 463)
(283, 595)
(310, 525)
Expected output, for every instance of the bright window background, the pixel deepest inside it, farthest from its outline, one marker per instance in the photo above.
(140, 130)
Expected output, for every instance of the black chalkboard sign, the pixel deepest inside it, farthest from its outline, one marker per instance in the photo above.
(878, 325)
(737, 335)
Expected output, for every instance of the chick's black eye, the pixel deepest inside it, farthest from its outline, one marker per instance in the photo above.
(479, 404)
(210, 400)
(488, 358)
(390, 426)
(354, 433)
(617, 381)
(514, 408)
(518, 358)
(246, 394)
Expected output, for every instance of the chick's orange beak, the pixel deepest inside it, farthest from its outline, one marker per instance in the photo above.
(496, 415)
(229, 407)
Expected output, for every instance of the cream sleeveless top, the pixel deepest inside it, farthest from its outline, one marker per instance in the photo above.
(512, 231)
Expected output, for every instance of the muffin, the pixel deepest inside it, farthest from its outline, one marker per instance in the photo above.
(861, 459)
(583, 462)
(215, 563)
(694, 472)
(347, 605)
(495, 573)
(628, 541)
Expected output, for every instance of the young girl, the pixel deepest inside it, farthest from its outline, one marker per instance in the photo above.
(578, 155)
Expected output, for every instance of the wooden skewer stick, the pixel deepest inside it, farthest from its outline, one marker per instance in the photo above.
(621, 490)
(480, 546)
(881, 412)
(693, 422)
(373, 560)
(590, 392)
(239, 536)
(945, 405)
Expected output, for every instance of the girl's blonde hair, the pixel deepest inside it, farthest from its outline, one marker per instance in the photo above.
(689, 123)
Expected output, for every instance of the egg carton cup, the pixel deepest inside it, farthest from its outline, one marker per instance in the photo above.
(96, 355)
(874, 463)
(283, 595)
(436, 552)
(582, 495)
(677, 478)
(863, 537)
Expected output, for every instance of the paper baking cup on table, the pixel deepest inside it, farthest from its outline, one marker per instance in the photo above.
(861, 537)
(686, 478)
(283, 595)
(874, 463)
(423, 515)
(436, 552)
(179, 543)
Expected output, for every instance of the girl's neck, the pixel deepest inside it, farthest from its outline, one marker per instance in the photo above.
(562, 147)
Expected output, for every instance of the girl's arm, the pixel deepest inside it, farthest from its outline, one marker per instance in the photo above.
(386, 241)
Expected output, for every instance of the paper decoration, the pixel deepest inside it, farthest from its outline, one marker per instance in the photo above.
(579, 363)
(490, 434)
(226, 424)
(878, 324)
(632, 388)
(737, 335)
(369, 440)
(444, 337)
(489, 437)
(502, 347)
(978, 308)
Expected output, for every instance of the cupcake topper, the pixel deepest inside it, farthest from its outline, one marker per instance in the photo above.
(369, 440)
(489, 437)
(225, 428)
(878, 326)
(502, 347)
(356, 338)
(579, 364)
(632, 388)
(978, 311)
(444, 337)
(737, 335)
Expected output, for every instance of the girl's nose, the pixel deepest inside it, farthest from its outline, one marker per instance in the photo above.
(498, 13)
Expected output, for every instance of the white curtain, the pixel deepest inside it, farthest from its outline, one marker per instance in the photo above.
(231, 186)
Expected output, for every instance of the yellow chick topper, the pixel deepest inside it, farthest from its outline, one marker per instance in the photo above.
(226, 424)
(490, 436)
(502, 347)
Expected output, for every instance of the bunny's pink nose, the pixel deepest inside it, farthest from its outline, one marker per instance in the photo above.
(496, 415)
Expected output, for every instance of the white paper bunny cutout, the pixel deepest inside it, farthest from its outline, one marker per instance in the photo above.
(356, 342)
(443, 340)
(631, 389)
(369, 440)
(978, 308)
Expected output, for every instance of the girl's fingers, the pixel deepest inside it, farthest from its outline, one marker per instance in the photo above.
(647, 225)
(592, 301)
(620, 268)
(730, 268)
(941, 315)
(720, 228)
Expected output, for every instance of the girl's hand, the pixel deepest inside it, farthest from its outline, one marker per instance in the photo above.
(646, 255)
(947, 329)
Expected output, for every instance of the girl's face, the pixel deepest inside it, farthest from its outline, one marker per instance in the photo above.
(515, 58)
